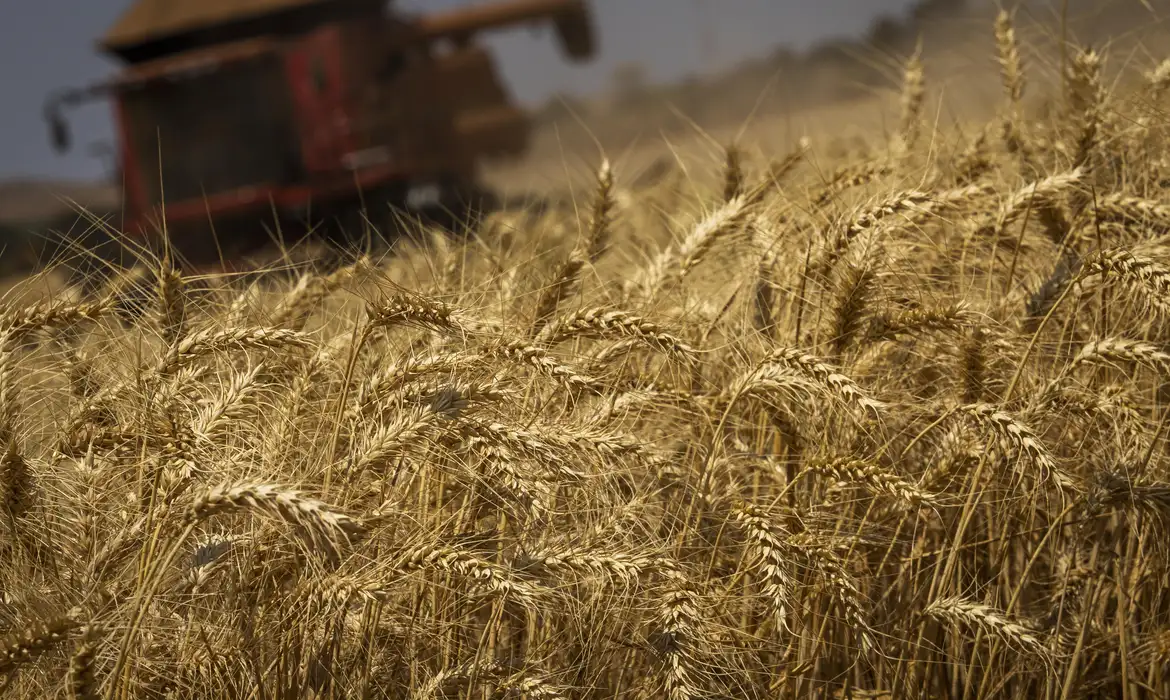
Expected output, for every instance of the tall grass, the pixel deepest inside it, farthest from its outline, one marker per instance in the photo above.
(838, 436)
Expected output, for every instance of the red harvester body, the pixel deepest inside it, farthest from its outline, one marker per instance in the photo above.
(230, 113)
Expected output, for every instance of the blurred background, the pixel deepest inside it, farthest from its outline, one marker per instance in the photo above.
(663, 66)
(49, 43)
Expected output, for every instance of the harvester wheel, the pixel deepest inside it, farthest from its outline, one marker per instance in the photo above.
(390, 214)
(347, 232)
(464, 204)
(360, 225)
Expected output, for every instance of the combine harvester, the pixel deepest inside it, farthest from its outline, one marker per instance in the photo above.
(235, 115)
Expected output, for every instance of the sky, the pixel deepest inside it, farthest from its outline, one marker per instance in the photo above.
(48, 44)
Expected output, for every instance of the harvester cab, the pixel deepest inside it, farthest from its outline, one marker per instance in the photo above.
(233, 113)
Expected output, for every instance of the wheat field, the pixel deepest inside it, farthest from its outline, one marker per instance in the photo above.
(894, 429)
